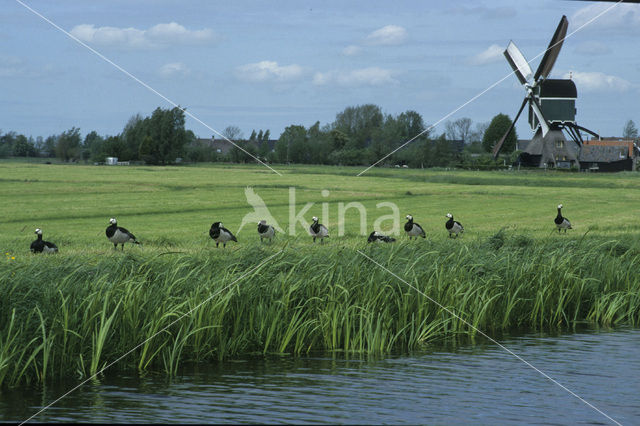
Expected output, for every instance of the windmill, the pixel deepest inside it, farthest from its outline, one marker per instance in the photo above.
(552, 107)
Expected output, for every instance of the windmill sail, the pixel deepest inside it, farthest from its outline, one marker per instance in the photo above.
(552, 52)
(518, 63)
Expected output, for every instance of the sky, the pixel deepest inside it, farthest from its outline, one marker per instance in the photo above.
(268, 65)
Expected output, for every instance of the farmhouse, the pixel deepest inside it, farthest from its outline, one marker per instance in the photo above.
(609, 155)
(223, 146)
(604, 155)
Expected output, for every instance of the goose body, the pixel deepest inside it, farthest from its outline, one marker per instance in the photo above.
(561, 222)
(376, 237)
(221, 234)
(318, 230)
(265, 231)
(412, 229)
(119, 235)
(453, 226)
(41, 246)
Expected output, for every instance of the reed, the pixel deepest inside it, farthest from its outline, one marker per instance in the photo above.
(88, 310)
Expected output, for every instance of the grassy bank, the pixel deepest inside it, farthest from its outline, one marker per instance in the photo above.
(71, 315)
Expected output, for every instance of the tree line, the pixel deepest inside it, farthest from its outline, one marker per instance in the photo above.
(362, 135)
(359, 135)
(157, 139)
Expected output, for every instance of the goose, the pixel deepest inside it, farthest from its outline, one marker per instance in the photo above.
(118, 235)
(265, 231)
(221, 234)
(375, 236)
(318, 230)
(40, 246)
(562, 222)
(413, 229)
(453, 226)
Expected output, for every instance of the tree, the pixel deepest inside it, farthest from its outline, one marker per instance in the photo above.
(49, 146)
(92, 147)
(478, 133)
(23, 147)
(359, 123)
(459, 129)
(68, 144)
(497, 128)
(292, 145)
(164, 136)
(630, 130)
(132, 135)
(232, 133)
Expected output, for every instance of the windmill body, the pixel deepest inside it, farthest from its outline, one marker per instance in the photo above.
(551, 108)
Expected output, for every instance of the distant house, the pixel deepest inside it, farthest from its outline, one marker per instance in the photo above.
(608, 155)
(223, 146)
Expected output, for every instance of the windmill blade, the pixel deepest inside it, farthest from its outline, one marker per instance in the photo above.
(518, 63)
(552, 52)
(538, 112)
(498, 146)
(584, 129)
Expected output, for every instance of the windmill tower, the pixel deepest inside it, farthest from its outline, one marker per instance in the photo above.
(552, 108)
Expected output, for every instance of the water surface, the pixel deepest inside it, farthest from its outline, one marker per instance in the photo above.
(475, 383)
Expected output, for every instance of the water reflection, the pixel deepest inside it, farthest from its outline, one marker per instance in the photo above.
(460, 384)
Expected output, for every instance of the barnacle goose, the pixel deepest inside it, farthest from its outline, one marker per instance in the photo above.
(40, 246)
(562, 222)
(318, 230)
(118, 235)
(221, 234)
(375, 236)
(265, 231)
(413, 229)
(453, 226)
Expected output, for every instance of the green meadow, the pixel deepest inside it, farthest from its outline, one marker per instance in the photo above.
(71, 314)
(176, 205)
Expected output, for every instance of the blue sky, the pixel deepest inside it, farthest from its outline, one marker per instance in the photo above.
(267, 65)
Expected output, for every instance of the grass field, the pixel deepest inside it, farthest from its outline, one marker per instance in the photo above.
(176, 205)
(72, 313)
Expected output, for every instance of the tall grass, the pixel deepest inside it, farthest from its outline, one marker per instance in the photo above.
(66, 315)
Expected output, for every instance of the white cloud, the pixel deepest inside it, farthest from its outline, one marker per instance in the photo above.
(372, 76)
(622, 17)
(491, 54)
(351, 50)
(156, 36)
(174, 69)
(267, 71)
(597, 81)
(387, 36)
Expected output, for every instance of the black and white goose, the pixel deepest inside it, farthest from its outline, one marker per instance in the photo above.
(41, 246)
(265, 231)
(221, 234)
(562, 222)
(118, 235)
(453, 226)
(318, 230)
(377, 237)
(413, 229)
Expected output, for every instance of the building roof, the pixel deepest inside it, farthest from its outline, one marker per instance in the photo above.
(602, 153)
(614, 142)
